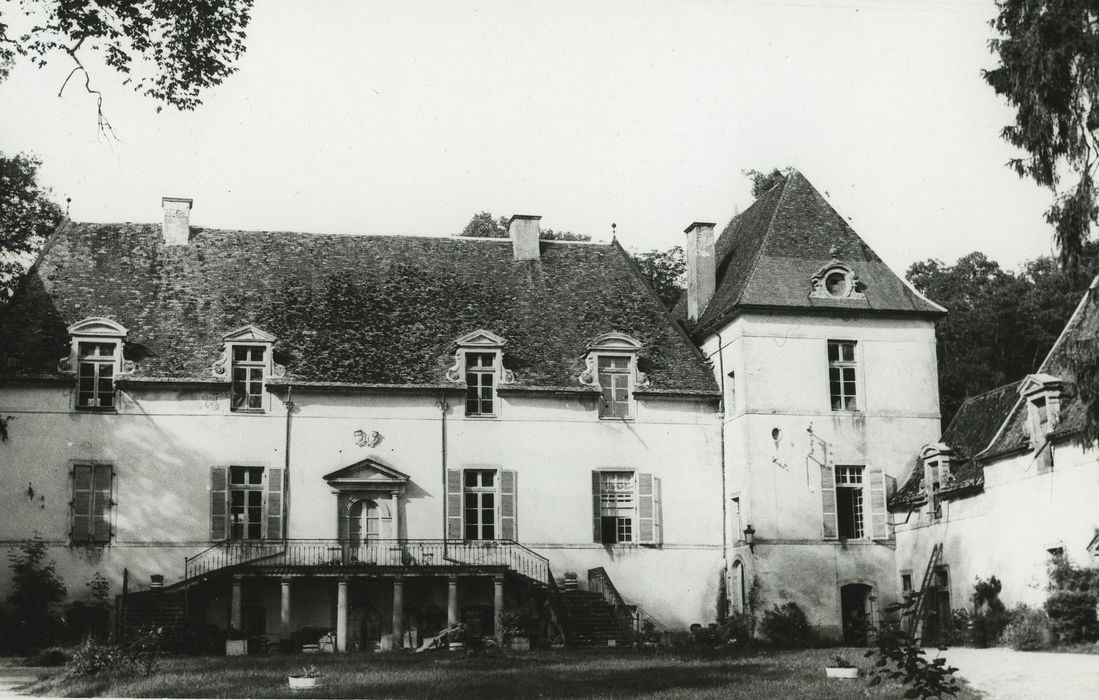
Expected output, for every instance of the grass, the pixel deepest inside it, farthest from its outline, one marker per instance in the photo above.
(758, 674)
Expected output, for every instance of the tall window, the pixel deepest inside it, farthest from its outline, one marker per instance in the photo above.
(91, 504)
(249, 365)
(246, 503)
(617, 506)
(480, 379)
(841, 375)
(95, 375)
(935, 478)
(849, 502)
(614, 381)
(479, 498)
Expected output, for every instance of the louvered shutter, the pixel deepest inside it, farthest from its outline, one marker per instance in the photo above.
(101, 503)
(219, 502)
(828, 501)
(646, 509)
(879, 516)
(596, 510)
(454, 504)
(507, 504)
(274, 503)
(82, 503)
(658, 512)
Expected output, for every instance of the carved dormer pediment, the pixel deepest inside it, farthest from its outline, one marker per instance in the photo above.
(480, 339)
(367, 474)
(249, 334)
(98, 327)
(1036, 383)
(936, 449)
(614, 341)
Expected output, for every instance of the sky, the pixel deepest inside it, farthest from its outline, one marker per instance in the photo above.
(407, 118)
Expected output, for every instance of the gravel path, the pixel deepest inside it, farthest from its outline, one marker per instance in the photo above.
(14, 678)
(1003, 674)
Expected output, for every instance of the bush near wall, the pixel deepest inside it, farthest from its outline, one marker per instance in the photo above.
(786, 626)
(1028, 630)
(1072, 616)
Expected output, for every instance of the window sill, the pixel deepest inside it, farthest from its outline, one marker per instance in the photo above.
(248, 411)
(479, 416)
(94, 409)
(617, 419)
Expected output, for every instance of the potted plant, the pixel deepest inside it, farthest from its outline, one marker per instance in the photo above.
(516, 624)
(235, 643)
(841, 668)
(307, 677)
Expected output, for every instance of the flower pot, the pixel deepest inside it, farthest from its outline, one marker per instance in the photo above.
(305, 682)
(836, 672)
(519, 643)
(236, 647)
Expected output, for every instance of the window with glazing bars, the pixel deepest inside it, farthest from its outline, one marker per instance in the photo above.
(480, 379)
(849, 502)
(249, 364)
(479, 497)
(841, 375)
(614, 381)
(91, 504)
(95, 375)
(935, 478)
(617, 506)
(246, 503)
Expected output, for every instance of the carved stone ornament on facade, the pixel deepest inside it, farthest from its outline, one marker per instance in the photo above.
(612, 343)
(483, 341)
(96, 330)
(836, 280)
(367, 438)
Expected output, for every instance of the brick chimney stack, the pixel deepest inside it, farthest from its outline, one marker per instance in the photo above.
(177, 220)
(701, 267)
(524, 231)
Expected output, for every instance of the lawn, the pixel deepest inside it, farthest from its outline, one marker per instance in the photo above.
(757, 674)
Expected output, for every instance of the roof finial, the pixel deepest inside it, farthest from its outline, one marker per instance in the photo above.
(67, 200)
(614, 231)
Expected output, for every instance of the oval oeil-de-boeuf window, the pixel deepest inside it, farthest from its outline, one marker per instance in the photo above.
(836, 283)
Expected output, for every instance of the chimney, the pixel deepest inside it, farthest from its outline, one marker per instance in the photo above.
(525, 231)
(701, 271)
(177, 220)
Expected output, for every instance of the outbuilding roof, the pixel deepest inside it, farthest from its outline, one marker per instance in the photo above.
(367, 310)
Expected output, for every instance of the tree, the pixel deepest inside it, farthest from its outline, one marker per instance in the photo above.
(664, 270)
(761, 182)
(1049, 71)
(27, 217)
(485, 225)
(169, 50)
(36, 592)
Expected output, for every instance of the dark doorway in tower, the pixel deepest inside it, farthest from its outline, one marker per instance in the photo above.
(855, 609)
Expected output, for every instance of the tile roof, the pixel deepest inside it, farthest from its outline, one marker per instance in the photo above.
(767, 256)
(381, 310)
(969, 433)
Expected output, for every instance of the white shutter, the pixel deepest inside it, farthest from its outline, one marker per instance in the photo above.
(879, 514)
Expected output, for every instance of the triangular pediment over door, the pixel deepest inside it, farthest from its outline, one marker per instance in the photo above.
(368, 497)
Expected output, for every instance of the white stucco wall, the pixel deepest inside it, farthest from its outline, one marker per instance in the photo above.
(780, 367)
(1007, 530)
(162, 444)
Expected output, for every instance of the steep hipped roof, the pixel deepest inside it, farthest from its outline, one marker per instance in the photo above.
(356, 309)
(969, 433)
(767, 256)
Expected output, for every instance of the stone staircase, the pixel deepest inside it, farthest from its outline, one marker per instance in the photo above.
(157, 607)
(591, 620)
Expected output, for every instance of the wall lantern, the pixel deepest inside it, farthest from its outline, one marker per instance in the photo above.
(750, 537)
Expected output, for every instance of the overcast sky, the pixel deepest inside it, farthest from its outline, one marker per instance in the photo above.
(355, 117)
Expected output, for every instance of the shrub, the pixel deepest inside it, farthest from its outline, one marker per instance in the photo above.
(1072, 616)
(36, 592)
(786, 626)
(990, 616)
(1028, 630)
(900, 657)
(141, 653)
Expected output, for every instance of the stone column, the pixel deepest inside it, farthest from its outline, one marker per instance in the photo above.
(398, 613)
(396, 506)
(341, 615)
(235, 616)
(498, 608)
(451, 601)
(284, 610)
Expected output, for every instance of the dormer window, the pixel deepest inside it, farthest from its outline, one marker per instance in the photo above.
(479, 361)
(612, 368)
(96, 360)
(937, 475)
(248, 359)
(836, 280)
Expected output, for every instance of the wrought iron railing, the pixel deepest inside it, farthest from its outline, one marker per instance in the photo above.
(369, 552)
(626, 615)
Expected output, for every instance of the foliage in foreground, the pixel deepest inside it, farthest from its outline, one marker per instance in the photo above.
(36, 593)
(900, 657)
(1071, 605)
(141, 654)
(28, 215)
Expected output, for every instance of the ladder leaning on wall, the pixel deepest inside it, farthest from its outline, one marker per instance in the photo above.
(916, 616)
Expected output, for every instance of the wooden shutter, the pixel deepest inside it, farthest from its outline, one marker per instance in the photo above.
(454, 504)
(879, 515)
(101, 503)
(82, 503)
(274, 503)
(596, 509)
(828, 500)
(658, 513)
(219, 503)
(646, 509)
(507, 504)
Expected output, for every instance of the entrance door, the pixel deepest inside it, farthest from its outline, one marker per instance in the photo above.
(855, 609)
